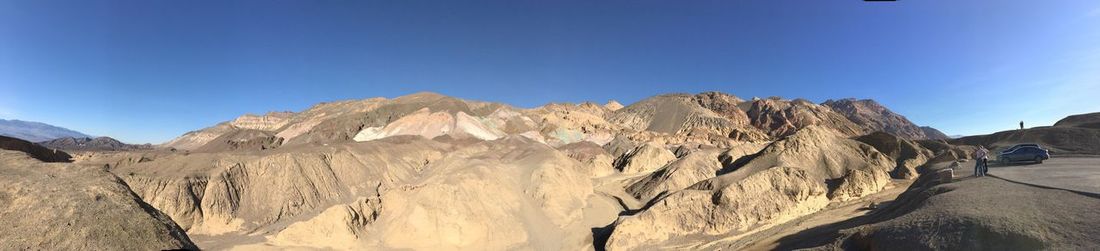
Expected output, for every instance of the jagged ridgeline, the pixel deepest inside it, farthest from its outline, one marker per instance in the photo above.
(428, 171)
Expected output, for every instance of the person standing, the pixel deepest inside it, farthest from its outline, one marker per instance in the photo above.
(979, 161)
(984, 160)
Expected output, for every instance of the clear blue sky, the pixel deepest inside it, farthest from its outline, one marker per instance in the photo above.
(147, 71)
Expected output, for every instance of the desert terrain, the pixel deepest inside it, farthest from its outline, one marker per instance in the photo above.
(706, 171)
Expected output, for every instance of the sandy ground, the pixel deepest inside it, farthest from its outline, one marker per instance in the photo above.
(1080, 174)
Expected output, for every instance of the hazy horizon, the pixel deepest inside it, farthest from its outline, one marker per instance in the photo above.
(146, 72)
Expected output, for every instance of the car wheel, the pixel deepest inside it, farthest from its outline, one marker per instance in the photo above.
(1038, 160)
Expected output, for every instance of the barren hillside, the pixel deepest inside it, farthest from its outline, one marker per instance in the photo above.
(428, 172)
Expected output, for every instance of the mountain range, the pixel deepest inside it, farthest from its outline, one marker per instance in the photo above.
(35, 131)
(432, 172)
(710, 117)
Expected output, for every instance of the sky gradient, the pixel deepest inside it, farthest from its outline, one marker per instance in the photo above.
(148, 71)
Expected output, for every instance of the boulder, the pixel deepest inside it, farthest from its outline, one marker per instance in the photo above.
(644, 158)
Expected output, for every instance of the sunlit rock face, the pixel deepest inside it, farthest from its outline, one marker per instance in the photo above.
(430, 172)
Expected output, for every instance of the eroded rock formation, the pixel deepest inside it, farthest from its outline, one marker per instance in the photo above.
(54, 206)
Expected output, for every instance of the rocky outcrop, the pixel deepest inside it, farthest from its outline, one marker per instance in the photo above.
(268, 122)
(907, 154)
(433, 124)
(215, 193)
(344, 120)
(598, 161)
(69, 207)
(858, 183)
(679, 174)
(338, 227)
(613, 105)
(689, 169)
(769, 196)
(723, 104)
(644, 158)
(198, 138)
(242, 139)
(873, 117)
(789, 178)
(390, 193)
(35, 151)
(338, 124)
(683, 113)
(780, 118)
(562, 124)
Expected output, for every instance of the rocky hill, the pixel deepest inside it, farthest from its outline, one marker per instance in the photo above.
(53, 206)
(874, 117)
(33, 150)
(35, 131)
(1088, 120)
(706, 113)
(427, 171)
(781, 117)
(933, 133)
(91, 144)
(1075, 134)
(784, 180)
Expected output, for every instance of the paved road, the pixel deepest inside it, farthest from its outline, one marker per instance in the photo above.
(1072, 173)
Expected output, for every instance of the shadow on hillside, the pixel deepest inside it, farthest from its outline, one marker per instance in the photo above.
(600, 236)
(904, 203)
(820, 235)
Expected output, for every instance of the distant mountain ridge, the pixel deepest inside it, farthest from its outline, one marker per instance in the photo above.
(36, 131)
(88, 143)
(876, 117)
(710, 117)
